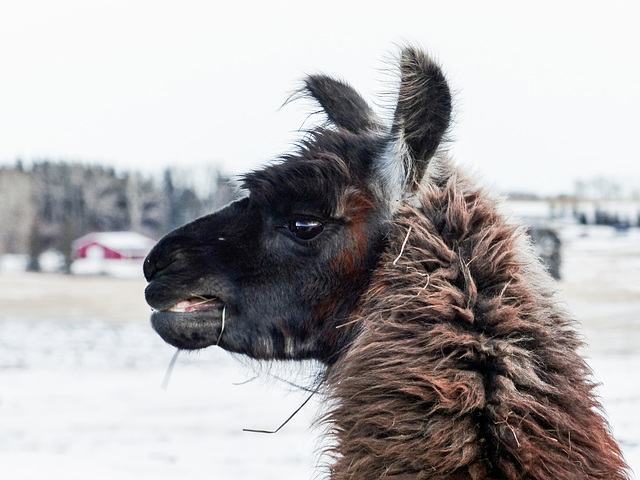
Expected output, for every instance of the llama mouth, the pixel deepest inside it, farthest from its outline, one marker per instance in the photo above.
(191, 324)
(197, 303)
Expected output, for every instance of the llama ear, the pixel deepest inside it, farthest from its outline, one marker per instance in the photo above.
(422, 115)
(342, 104)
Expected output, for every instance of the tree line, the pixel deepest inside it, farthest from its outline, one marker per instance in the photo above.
(48, 205)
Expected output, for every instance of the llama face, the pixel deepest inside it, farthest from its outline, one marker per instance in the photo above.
(279, 273)
(286, 264)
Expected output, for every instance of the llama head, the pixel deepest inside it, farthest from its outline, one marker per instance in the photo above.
(278, 273)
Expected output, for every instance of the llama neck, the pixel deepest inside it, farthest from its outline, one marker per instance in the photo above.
(464, 366)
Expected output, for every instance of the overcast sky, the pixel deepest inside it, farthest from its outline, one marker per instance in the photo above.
(546, 92)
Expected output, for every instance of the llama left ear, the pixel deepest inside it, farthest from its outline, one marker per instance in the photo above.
(342, 104)
(421, 119)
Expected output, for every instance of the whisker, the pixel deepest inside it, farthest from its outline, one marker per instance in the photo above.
(167, 375)
(252, 430)
(236, 384)
(293, 384)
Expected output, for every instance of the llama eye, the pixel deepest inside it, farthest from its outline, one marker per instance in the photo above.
(306, 229)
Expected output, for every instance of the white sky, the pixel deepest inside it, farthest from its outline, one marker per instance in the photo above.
(546, 92)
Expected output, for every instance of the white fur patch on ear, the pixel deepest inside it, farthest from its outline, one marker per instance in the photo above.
(392, 173)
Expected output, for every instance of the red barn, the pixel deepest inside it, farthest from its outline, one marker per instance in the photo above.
(112, 253)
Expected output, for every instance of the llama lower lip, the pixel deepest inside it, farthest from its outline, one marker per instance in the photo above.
(189, 330)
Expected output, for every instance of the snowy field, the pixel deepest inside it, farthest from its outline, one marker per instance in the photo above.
(81, 374)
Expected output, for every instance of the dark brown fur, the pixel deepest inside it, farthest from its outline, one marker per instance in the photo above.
(465, 366)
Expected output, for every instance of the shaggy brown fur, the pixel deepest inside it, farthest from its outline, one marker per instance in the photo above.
(465, 366)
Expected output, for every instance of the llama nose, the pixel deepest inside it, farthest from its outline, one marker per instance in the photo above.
(153, 263)
(163, 255)
(157, 260)
(149, 268)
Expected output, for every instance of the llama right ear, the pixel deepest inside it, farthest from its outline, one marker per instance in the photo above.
(342, 104)
(421, 119)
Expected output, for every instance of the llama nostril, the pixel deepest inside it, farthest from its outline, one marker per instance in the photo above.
(149, 269)
(160, 259)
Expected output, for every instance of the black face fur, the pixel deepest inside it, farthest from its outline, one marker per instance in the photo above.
(278, 273)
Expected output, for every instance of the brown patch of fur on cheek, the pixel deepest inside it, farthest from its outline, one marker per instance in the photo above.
(356, 207)
(327, 307)
(352, 257)
(347, 268)
(348, 265)
(346, 272)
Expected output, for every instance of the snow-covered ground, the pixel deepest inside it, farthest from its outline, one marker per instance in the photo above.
(601, 284)
(81, 374)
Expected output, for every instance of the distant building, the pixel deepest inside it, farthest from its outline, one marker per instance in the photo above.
(118, 254)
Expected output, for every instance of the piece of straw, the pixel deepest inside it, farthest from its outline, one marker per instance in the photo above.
(404, 244)
(224, 309)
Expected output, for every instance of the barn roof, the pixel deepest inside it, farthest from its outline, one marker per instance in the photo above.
(117, 241)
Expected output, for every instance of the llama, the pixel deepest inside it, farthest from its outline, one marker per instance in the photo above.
(446, 354)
